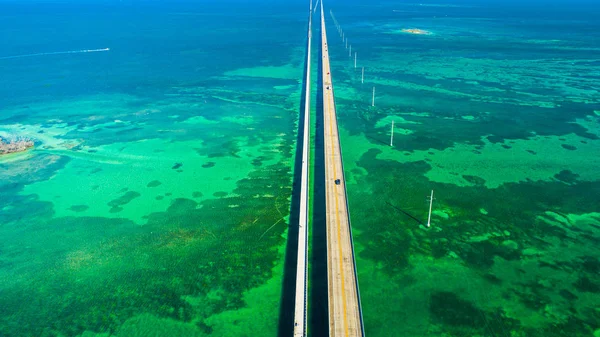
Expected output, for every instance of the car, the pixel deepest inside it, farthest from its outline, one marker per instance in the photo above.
(337, 181)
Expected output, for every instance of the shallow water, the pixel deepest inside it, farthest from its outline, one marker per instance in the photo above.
(497, 112)
(157, 197)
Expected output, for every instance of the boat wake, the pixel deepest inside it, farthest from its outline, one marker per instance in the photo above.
(56, 53)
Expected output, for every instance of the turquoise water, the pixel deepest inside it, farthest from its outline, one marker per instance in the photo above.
(497, 110)
(156, 201)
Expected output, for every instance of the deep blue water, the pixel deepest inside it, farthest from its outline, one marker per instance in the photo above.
(153, 45)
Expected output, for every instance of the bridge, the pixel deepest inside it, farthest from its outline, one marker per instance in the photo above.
(344, 307)
(302, 265)
(345, 313)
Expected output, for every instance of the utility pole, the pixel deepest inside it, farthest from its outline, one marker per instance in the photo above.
(392, 137)
(373, 102)
(430, 205)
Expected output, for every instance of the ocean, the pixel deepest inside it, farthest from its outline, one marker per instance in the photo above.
(156, 201)
(157, 197)
(497, 111)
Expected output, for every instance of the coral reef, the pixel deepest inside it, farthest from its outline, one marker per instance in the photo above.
(15, 144)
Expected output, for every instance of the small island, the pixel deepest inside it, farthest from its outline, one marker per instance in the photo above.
(416, 31)
(14, 145)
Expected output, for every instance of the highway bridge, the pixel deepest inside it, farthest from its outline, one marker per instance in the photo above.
(344, 307)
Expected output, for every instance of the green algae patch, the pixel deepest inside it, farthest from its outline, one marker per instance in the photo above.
(79, 208)
(261, 300)
(446, 307)
(124, 199)
(154, 183)
(497, 165)
(567, 176)
(150, 325)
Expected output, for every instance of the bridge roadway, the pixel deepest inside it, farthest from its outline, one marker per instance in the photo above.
(302, 265)
(345, 314)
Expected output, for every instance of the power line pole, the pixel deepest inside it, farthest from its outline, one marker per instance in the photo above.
(373, 102)
(392, 136)
(430, 205)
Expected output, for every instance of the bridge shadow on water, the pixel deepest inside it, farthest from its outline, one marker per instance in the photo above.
(318, 324)
(318, 319)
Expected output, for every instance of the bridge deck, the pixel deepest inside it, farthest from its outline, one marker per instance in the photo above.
(301, 271)
(344, 303)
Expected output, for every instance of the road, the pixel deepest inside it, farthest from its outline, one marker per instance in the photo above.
(345, 316)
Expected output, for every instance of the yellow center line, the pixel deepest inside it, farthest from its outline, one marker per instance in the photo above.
(339, 235)
(333, 162)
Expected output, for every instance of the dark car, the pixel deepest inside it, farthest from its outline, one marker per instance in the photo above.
(337, 181)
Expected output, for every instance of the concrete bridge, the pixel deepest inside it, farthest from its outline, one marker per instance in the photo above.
(344, 307)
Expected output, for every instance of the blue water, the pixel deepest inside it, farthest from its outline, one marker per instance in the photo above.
(156, 200)
(153, 45)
